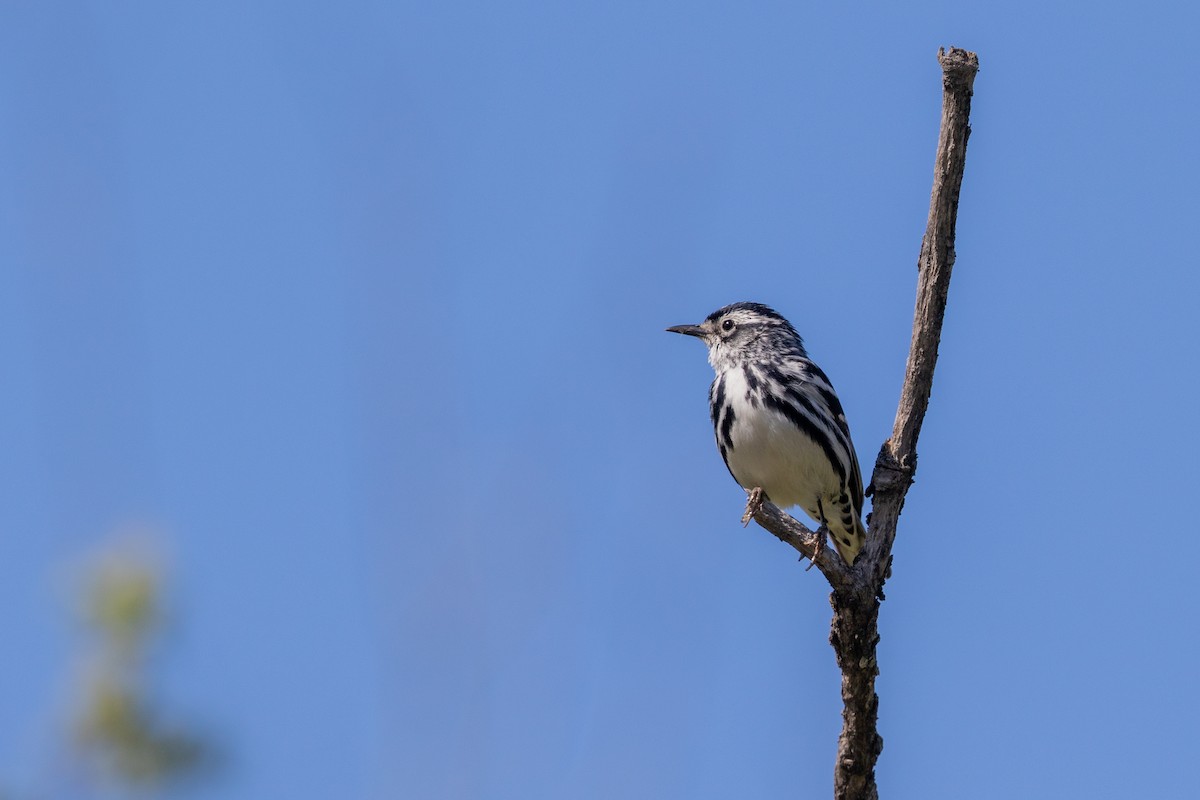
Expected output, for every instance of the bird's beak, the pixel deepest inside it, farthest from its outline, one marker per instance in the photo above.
(688, 330)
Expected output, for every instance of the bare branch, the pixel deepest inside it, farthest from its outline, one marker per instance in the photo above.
(937, 252)
(854, 631)
(858, 589)
(897, 461)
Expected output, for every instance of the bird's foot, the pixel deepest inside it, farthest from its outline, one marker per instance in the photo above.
(822, 533)
(753, 504)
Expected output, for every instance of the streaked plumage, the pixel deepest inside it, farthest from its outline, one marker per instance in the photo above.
(778, 423)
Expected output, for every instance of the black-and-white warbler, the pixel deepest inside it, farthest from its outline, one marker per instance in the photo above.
(779, 425)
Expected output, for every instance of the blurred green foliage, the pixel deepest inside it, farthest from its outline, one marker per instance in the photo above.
(120, 734)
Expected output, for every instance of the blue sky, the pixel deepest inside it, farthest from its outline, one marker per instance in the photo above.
(360, 307)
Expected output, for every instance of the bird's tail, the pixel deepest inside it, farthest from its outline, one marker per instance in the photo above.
(848, 539)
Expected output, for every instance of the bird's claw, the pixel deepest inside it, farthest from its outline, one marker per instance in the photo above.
(753, 504)
(822, 533)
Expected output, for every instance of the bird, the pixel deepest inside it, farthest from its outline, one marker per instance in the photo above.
(779, 425)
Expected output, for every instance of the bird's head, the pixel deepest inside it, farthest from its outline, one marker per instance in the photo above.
(742, 333)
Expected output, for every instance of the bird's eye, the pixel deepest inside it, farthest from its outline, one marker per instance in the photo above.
(727, 325)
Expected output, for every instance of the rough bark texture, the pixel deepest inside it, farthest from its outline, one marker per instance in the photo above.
(858, 590)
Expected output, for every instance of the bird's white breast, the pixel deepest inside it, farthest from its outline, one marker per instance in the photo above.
(771, 452)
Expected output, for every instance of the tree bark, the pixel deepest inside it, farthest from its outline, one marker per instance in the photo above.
(858, 590)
